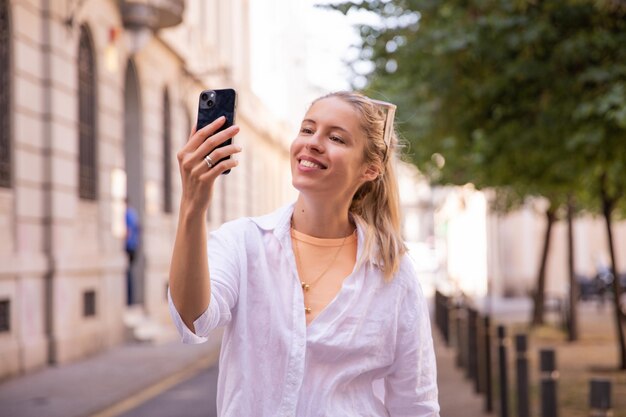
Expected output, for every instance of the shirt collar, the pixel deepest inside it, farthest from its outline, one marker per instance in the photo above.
(279, 222)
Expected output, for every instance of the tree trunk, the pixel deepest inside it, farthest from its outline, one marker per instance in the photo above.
(539, 294)
(572, 328)
(607, 207)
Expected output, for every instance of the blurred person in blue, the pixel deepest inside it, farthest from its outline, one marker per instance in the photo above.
(318, 299)
(131, 245)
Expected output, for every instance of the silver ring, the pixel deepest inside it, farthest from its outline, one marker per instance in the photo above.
(209, 161)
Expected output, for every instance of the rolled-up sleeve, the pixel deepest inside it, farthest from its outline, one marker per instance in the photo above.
(411, 385)
(224, 269)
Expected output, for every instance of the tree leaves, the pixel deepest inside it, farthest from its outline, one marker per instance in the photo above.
(529, 97)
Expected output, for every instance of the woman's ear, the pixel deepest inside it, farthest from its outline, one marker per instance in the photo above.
(371, 173)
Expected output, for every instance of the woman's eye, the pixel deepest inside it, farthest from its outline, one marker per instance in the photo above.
(306, 130)
(337, 139)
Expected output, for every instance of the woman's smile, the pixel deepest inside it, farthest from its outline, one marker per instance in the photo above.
(308, 163)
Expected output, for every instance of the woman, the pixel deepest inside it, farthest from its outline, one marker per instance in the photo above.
(318, 299)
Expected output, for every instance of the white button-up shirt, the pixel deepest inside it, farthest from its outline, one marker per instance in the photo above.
(272, 364)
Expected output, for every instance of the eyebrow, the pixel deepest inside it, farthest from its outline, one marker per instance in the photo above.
(332, 127)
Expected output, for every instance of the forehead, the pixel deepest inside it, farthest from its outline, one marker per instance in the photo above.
(334, 111)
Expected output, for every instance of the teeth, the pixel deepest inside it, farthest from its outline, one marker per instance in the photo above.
(309, 164)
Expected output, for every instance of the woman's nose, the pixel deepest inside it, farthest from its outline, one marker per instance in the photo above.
(315, 143)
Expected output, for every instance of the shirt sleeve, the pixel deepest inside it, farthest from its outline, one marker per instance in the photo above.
(411, 385)
(224, 270)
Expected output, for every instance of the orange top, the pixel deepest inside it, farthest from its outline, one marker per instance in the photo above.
(323, 264)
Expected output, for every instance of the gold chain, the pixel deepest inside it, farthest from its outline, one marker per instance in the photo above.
(306, 287)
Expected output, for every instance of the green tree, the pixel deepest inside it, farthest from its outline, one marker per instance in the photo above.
(525, 97)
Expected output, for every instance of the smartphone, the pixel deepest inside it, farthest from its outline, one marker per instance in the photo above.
(214, 104)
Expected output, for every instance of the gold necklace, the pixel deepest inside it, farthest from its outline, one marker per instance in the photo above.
(306, 287)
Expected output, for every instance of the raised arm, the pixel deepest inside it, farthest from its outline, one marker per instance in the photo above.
(190, 285)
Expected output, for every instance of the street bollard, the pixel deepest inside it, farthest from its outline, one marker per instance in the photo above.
(480, 357)
(521, 362)
(487, 362)
(458, 337)
(445, 319)
(438, 309)
(461, 338)
(549, 378)
(452, 330)
(504, 384)
(472, 347)
(600, 398)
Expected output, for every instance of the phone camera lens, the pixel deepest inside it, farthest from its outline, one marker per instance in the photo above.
(204, 96)
(210, 103)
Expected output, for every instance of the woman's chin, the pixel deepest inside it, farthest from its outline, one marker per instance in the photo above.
(308, 186)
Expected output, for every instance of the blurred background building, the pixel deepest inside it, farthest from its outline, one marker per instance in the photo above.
(96, 97)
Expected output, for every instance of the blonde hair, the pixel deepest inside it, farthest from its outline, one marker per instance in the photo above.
(376, 204)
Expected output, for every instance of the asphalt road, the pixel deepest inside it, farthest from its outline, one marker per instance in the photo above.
(194, 397)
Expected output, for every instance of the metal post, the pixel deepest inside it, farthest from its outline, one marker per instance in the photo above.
(438, 309)
(502, 362)
(549, 378)
(460, 337)
(487, 360)
(480, 357)
(521, 365)
(472, 347)
(445, 319)
(600, 398)
(452, 330)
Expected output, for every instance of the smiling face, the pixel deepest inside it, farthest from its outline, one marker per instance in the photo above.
(327, 156)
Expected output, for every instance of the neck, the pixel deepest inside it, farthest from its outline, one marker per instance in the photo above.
(323, 219)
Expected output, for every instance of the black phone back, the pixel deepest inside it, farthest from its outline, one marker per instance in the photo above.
(214, 104)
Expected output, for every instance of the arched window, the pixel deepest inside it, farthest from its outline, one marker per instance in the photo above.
(167, 154)
(87, 160)
(5, 96)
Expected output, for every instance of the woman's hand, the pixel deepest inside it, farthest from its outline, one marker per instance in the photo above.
(197, 178)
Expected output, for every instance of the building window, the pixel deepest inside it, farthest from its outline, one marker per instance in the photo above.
(167, 154)
(5, 315)
(87, 171)
(89, 303)
(5, 97)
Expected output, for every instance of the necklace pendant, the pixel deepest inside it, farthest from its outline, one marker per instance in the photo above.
(307, 310)
(305, 286)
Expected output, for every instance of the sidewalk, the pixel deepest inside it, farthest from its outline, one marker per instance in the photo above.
(456, 393)
(122, 377)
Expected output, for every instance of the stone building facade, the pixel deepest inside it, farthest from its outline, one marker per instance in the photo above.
(96, 97)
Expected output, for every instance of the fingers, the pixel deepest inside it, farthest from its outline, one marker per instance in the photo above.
(212, 142)
(219, 169)
(224, 151)
(216, 156)
(198, 146)
(199, 136)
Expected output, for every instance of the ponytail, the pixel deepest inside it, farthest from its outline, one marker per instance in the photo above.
(376, 204)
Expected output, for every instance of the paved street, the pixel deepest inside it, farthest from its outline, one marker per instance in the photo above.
(194, 397)
(107, 384)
